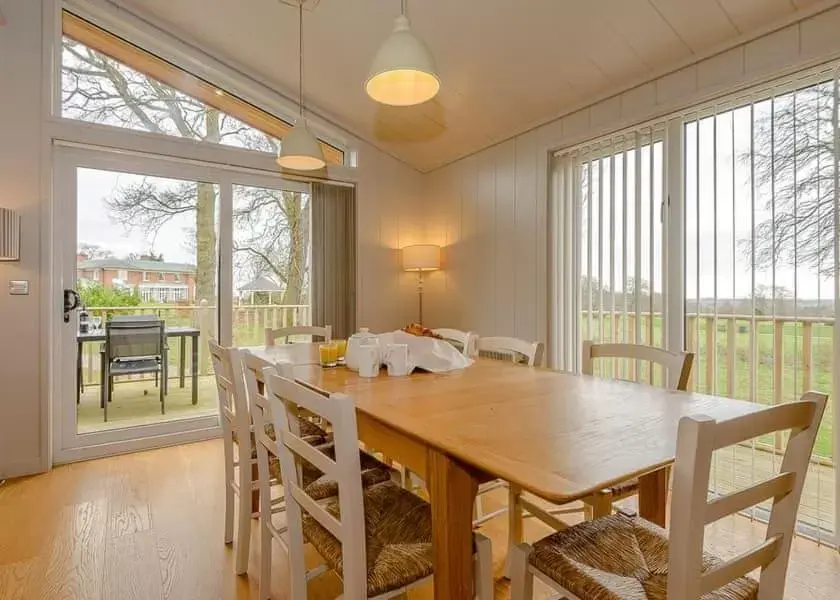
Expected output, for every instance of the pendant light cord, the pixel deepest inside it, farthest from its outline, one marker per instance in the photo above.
(300, 57)
(402, 7)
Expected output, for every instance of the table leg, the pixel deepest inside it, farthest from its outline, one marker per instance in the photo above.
(195, 369)
(653, 496)
(452, 490)
(183, 359)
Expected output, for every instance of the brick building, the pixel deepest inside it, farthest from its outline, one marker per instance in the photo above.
(153, 280)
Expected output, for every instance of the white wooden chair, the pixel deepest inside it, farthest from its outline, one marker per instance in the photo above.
(236, 427)
(676, 364)
(463, 340)
(272, 335)
(339, 528)
(255, 371)
(624, 554)
(507, 349)
(678, 367)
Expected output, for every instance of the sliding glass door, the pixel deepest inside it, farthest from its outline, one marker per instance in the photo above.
(760, 273)
(715, 231)
(207, 253)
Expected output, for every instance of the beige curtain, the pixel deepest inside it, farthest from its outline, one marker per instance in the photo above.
(333, 269)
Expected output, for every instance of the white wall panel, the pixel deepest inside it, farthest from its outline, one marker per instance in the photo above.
(21, 417)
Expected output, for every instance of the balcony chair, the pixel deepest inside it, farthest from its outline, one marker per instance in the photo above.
(134, 345)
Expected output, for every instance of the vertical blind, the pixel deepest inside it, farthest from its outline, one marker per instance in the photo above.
(761, 273)
(608, 197)
(733, 210)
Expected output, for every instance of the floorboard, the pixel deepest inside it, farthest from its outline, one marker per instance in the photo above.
(148, 526)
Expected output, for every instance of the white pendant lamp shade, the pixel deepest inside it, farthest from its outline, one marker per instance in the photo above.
(300, 150)
(403, 71)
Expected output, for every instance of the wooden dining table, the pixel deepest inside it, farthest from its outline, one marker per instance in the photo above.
(558, 436)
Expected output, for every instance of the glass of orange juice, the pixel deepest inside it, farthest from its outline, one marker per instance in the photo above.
(341, 346)
(328, 354)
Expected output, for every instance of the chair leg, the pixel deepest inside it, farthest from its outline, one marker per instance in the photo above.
(484, 568)
(229, 494)
(478, 510)
(243, 531)
(162, 393)
(265, 521)
(521, 578)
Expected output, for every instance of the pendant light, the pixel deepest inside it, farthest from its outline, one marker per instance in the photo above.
(403, 72)
(299, 149)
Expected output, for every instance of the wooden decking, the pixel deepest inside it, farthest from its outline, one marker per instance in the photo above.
(136, 403)
(149, 526)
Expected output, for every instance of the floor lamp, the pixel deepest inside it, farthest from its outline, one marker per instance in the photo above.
(421, 258)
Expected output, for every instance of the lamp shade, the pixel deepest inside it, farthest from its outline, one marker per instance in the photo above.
(421, 257)
(9, 235)
(403, 72)
(300, 150)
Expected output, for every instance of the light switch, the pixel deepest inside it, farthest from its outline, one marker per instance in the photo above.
(18, 288)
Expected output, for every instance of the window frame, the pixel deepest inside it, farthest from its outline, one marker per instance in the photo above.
(74, 25)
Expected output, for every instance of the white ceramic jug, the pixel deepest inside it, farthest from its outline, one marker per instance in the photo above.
(369, 358)
(397, 360)
(351, 356)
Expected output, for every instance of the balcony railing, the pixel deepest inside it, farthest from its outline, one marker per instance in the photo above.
(762, 358)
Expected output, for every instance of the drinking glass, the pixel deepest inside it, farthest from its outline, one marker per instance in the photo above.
(341, 347)
(328, 354)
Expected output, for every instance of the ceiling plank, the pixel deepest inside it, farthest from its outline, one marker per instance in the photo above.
(645, 30)
(700, 23)
(751, 14)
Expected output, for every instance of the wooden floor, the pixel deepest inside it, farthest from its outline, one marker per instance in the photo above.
(148, 526)
(137, 403)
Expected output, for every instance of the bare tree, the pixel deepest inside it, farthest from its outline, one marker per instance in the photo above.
(793, 150)
(98, 89)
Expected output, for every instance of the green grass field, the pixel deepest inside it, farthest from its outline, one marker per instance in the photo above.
(731, 375)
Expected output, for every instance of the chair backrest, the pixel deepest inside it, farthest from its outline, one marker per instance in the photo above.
(285, 396)
(272, 335)
(134, 338)
(256, 370)
(691, 509)
(507, 348)
(676, 364)
(233, 402)
(463, 340)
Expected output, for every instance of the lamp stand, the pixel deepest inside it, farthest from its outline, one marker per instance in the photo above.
(420, 294)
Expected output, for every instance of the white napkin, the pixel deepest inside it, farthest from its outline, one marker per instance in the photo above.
(430, 354)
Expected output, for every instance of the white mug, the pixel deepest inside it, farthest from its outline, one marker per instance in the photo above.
(397, 360)
(369, 360)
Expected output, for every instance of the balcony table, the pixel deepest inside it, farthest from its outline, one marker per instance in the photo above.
(558, 436)
(183, 333)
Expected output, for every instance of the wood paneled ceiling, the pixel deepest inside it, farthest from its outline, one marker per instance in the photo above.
(506, 65)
